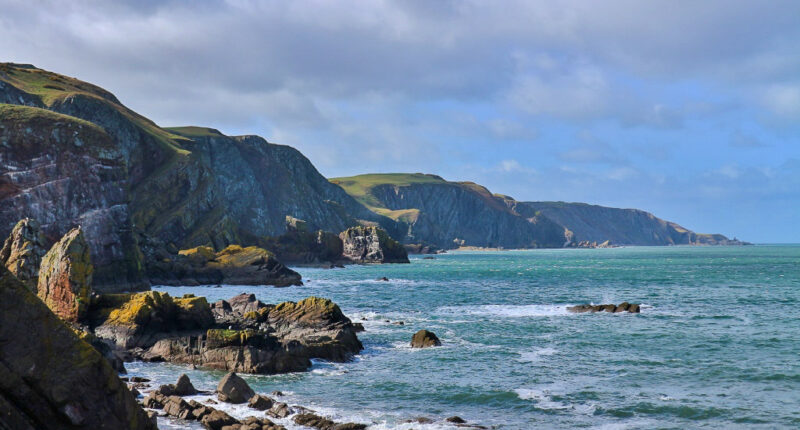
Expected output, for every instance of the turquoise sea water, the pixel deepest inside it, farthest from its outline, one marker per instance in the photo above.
(717, 344)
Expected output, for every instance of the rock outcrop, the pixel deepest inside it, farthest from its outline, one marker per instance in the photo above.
(299, 246)
(65, 277)
(233, 389)
(622, 307)
(234, 265)
(424, 339)
(241, 335)
(22, 252)
(371, 245)
(51, 379)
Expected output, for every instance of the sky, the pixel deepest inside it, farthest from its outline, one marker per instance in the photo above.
(689, 110)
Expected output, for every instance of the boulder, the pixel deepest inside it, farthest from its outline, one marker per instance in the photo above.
(279, 410)
(49, 377)
(234, 389)
(260, 402)
(184, 386)
(22, 252)
(455, 419)
(424, 339)
(371, 245)
(65, 277)
(216, 420)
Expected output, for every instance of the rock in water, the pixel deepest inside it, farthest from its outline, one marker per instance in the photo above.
(424, 339)
(49, 378)
(184, 386)
(234, 389)
(65, 277)
(622, 307)
(23, 251)
(371, 245)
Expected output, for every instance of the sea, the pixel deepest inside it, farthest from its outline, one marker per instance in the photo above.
(716, 345)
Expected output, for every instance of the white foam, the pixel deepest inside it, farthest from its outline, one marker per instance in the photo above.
(537, 354)
(543, 400)
(509, 311)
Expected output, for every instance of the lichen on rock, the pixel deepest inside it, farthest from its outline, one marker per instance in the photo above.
(23, 250)
(65, 277)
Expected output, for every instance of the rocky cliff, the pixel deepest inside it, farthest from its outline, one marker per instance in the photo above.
(71, 154)
(51, 379)
(591, 223)
(451, 214)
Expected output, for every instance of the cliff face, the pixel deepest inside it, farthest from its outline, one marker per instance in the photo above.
(451, 214)
(620, 226)
(71, 154)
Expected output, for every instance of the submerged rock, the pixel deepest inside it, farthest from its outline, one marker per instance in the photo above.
(50, 378)
(234, 389)
(622, 307)
(424, 339)
(22, 252)
(65, 277)
(371, 245)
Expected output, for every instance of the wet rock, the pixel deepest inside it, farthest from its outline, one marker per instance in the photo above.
(184, 386)
(622, 307)
(65, 277)
(424, 339)
(279, 410)
(260, 402)
(50, 378)
(358, 327)
(177, 407)
(456, 420)
(22, 252)
(277, 393)
(311, 420)
(234, 389)
(384, 279)
(154, 400)
(371, 245)
(216, 420)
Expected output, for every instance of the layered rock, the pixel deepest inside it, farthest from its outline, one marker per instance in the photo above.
(300, 246)
(22, 252)
(234, 265)
(51, 379)
(371, 245)
(65, 277)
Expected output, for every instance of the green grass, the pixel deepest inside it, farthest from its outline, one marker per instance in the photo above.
(194, 131)
(359, 186)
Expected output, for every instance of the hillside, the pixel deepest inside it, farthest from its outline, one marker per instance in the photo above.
(620, 226)
(73, 154)
(433, 211)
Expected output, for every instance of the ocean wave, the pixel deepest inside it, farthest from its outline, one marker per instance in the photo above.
(543, 399)
(537, 354)
(509, 311)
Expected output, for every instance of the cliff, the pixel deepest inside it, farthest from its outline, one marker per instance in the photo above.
(450, 214)
(593, 223)
(71, 154)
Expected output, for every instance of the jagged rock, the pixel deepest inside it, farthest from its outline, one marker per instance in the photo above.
(622, 307)
(154, 400)
(371, 245)
(233, 265)
(234, 389)
(279, 410)
(298, 246)
(260, 402)
(216, 420)
(22, 252)
(141, 319)
(424, 339)
(176, 407)
(184, 386)
(50, 378)
(65, 277)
